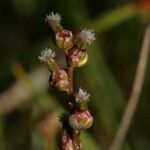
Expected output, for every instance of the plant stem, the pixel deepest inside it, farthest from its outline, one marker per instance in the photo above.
(76, 133)
(135, 93)
(70, 88)
(70, 76)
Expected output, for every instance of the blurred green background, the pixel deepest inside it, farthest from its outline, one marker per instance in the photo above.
(29, 107)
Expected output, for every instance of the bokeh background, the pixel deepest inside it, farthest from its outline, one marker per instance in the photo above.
(29, 107)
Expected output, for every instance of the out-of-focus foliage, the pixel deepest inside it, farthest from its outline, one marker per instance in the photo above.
(119, 28)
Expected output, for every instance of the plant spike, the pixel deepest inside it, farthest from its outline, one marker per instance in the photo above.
(78, 115)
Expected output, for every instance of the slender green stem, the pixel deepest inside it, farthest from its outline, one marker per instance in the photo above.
(52, 65)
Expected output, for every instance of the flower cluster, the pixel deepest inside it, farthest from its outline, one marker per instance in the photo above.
(74, 46)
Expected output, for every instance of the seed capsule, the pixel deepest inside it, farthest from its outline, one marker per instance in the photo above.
(59, 79)
(77, 57)
(66, 142)
(81, 120)
(64, 39)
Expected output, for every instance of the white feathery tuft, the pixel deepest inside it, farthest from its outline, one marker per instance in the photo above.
(47, 55)
(53, 18)
(86, 36)
(82, 96)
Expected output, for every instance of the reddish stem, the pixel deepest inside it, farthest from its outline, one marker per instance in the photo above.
(70, 88)
(70, 76)
(77, 141)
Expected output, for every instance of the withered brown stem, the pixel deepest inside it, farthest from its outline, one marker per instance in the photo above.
(135, 93)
